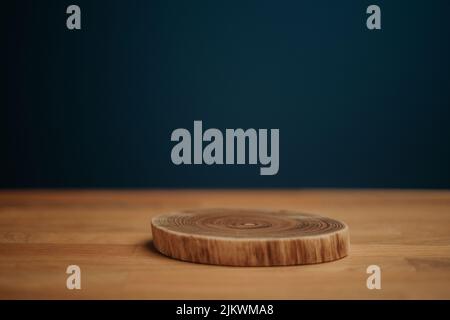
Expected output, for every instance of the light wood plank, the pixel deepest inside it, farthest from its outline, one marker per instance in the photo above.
(108, 234)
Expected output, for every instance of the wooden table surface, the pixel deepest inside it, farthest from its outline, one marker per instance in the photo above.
(107, 234)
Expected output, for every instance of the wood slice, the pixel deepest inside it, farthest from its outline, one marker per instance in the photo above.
(237, 237)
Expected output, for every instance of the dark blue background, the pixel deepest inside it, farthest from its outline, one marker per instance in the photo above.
(96, 107)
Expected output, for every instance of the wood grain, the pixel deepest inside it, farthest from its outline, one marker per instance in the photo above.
(108, 234)
(243, 237)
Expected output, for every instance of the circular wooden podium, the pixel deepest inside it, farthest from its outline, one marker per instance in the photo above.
(236, 237)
